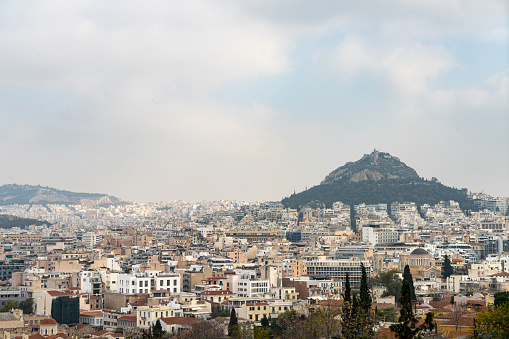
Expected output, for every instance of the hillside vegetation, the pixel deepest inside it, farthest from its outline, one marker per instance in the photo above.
(10, 221)
(378, 178)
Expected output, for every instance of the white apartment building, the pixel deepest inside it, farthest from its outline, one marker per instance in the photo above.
(90, 282)
(168, 281)
(148, 281)
(91, 239)
(251, 288)
(377, 236)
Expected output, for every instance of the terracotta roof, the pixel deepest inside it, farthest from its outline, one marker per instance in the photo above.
(92, 313)
(48, 321)
(256, 304)
(179, 321)
(127, 318)
(58, 335)
(58, 293)
(330, 302)
(501, 274)
(116, 335)
(36, 336)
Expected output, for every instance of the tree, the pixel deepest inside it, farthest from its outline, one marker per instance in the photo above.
(9, 305)
(406, 326)
(365, 296)
(494, 322)
(348, 291)
(457, 312)
(452, 300)
(233, 323)
(407, 276)
(388, 314)
(501, 298)
(202, 329)
(447, 269)
(265, 322)
(391, 281)
(157, 330)
(27, 306)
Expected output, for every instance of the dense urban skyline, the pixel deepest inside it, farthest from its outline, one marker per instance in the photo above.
(250, 100)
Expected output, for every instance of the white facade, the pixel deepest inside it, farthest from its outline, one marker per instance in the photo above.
(91, 282)
(168, 281)
(148, 281)
(251, 288)
(377, 236)
(91, 239)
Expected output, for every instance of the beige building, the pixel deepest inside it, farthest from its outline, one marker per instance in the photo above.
(147, 314)
(12, 319)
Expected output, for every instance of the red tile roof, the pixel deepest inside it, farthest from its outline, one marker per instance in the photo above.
(92, 313)
(128, 318)
(49, 321)
(58, 293)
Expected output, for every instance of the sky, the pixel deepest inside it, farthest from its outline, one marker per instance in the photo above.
(250, 100)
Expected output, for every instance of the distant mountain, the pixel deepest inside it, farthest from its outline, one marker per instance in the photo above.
(378, 178)
(28, 194)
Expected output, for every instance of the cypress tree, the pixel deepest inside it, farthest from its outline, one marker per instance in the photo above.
(447, 269)
(407, 276)
(348, 290)
(233, 322)
(365, 297)
(406, 326)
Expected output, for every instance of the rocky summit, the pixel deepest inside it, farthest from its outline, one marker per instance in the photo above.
(375, 166)
(377, 177)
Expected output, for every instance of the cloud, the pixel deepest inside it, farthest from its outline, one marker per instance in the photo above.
(105, 94)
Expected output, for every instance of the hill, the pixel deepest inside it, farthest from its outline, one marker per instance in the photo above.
(28, 194)
(9, 221)
(378, 178)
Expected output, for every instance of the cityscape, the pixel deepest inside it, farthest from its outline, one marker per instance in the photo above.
(255, 169)
(114, 269)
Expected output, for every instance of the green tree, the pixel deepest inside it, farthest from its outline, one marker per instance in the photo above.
(501, 298)
(447, 269)
(494, 322)
(157, 330)
(233, 323)
(388, 314)
(365, 296)
(391, 281)
(265, 322)
(407, 276)
(27, 306)
(406, 327)
(9, 305)
(348, 291)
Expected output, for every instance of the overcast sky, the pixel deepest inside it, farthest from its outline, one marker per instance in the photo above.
(250, 100)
